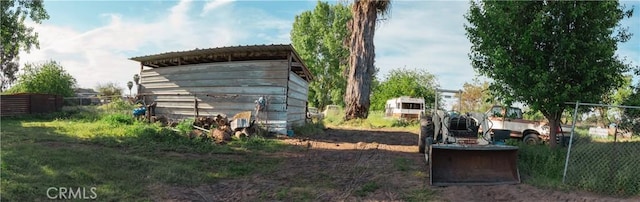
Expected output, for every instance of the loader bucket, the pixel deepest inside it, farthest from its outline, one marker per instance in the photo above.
(454, 164)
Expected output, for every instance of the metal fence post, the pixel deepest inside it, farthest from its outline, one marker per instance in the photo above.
(573, 129)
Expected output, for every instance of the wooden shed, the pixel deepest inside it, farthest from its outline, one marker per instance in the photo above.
(228, 80)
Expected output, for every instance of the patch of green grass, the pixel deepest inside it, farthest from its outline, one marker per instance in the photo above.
(375, 120)
(117, 119)
(420, 195)
(604, 168)
(309, 129)
(185, 126)
(118, 156)
(367, 188)
(402, 164)
(296, 194)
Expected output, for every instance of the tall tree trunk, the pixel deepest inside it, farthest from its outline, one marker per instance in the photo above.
(554, 123)
(361, 60)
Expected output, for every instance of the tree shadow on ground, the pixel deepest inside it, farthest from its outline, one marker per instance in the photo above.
(367, 136)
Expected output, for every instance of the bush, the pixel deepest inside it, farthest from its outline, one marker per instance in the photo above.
(185, 126)
(117, 119)
(117, 105)
(309, 129)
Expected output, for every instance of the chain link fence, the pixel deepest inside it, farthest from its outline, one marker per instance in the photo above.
(603, 157)
(89, 101)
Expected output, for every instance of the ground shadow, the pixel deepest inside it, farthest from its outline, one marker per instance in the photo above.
(367, 136)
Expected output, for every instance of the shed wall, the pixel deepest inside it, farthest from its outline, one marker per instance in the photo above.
(220, 88)
(297, 94)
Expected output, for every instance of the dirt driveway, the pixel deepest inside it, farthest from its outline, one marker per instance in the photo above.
(357, 165)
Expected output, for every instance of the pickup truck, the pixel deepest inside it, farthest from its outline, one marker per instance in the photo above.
(530, 132)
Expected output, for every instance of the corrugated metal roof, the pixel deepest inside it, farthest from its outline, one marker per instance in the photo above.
(226, 49)
(156, 60)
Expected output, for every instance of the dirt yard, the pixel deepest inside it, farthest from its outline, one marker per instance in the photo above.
(355, 165)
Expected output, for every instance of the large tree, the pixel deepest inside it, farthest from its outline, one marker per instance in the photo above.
(362, 55)
(417, 83)
(475, 97)
(16, 35)
(49, 78)
(318, 36)
(546, 53)
(109, 90)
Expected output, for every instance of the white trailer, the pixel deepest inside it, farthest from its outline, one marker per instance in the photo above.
(404, 108)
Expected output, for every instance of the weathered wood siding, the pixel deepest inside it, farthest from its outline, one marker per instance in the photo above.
(21, 104)
(220, 88)
(296, 100)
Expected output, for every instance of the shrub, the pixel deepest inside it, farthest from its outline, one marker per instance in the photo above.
(117, 119)
(117, 105)
(185, 126)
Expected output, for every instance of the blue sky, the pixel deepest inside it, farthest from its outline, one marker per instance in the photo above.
(94, 39)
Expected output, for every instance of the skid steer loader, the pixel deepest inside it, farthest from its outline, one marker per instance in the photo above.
(457, 154)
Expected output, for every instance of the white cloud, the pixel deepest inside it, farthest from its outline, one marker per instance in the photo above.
(213, 4)
(418, 34)
(427, 35)
(101, 54)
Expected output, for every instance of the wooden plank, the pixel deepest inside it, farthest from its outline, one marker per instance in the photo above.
(296, 103)
(298, 91)
(272, 116)
(297, 95)
(261, 65)
(297, 88)
(297, 123)
(221, 82)
(217, 90)
(216, 83)
(238, 99)
(220, 106)
(296, 110)
(253, 74)
(13, 105)
(296, 79)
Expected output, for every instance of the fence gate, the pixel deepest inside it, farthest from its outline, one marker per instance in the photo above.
(603, 158)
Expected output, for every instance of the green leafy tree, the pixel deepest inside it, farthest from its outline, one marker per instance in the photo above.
(475, 97)
(109, 90)
(49, 78)
(545, 53)
(417, 83)
(631, 117)
(615, 97)
(16, 35)
(361, 70)
(318, 36)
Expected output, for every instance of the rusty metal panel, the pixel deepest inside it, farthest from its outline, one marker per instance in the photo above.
(473, 165)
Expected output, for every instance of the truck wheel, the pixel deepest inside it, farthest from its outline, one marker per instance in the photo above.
(426, 131)
(531, 139)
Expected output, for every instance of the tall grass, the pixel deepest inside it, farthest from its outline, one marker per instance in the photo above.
(595, 167)
(121, 157)
(376, 120)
